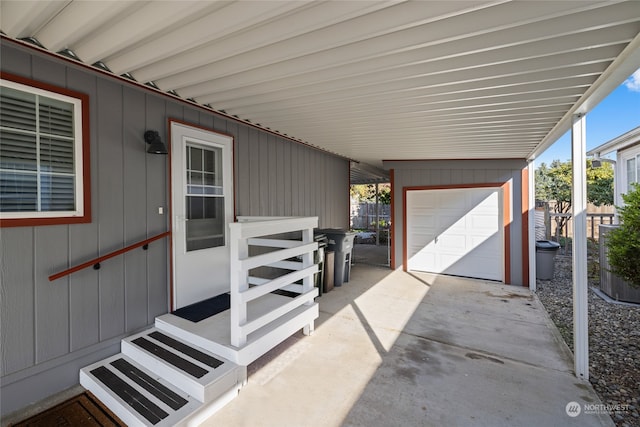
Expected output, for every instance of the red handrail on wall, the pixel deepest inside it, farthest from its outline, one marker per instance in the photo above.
(105, 257)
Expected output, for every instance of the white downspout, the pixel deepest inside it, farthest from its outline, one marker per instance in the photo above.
(579, 214)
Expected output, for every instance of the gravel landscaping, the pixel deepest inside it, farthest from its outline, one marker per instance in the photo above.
(614, 341)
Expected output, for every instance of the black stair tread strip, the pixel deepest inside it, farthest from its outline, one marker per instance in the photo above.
(172, 358)
(186, 349)
(168, 396)
(130, 395)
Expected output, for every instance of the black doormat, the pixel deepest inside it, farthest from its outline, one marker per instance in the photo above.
(82, 410)
(204, 309)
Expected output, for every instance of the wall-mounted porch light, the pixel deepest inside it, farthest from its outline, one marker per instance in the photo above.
(156, 146)
(597, 161)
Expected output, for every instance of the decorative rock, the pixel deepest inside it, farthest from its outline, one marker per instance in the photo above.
(614, 340)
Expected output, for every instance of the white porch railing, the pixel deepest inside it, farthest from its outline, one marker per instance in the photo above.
(293, 255)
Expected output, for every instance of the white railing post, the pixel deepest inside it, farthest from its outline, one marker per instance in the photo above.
(239, 276)
(307, 282)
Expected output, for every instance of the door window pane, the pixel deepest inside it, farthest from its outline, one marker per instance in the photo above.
(205, 198)
(195, 178)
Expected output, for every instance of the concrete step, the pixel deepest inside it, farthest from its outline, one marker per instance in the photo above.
(160, 380)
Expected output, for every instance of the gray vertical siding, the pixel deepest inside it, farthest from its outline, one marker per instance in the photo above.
(135, 207)
(460, 172)
(84, 319)
(157, 196)
(51, 329)
(277, 177)
(17, 302)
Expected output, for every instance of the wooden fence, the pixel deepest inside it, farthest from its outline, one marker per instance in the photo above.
(559, 227)
(364, 216)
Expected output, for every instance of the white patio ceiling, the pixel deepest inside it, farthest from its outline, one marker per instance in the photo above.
(370, 80)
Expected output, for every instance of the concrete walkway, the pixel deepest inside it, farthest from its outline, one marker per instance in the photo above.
(370, 254)
(398, 349)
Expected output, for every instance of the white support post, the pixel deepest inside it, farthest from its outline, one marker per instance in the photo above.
(579, 214)
(532, 225)
(307, 282)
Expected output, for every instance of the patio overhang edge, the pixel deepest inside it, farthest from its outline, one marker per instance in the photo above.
(618, 71)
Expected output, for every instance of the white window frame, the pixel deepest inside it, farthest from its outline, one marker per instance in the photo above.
(81, 213)
(632, 153)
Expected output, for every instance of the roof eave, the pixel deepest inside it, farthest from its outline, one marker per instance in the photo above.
(616, 144)
(620, 69)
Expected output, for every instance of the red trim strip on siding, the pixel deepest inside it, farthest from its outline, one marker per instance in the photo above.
(452, 159)
(170, 209)
(405, 258)
(506, 224)
(525, 227)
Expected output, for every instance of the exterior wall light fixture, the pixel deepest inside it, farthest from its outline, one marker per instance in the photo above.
(156, 146)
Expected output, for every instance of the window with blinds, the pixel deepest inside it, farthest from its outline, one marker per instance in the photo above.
(40, 153)
(633, 171)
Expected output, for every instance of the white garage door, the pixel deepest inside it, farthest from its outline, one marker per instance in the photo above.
(456, 231)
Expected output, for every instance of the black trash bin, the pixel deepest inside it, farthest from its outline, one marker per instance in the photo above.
(319, 258)
(545, 256)
(341, 243)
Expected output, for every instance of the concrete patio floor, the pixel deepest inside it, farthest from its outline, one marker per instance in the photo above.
(399, 349)
(370, 254)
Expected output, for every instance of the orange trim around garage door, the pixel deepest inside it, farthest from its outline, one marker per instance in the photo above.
(525, 227)
(506, 215)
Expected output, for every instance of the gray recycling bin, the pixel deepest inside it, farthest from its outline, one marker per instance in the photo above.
(545, 254)
(341, 243)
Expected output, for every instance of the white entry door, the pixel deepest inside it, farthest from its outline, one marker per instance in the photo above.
(202, 208)
(456, 231)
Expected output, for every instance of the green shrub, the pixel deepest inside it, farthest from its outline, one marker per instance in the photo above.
(623, 242)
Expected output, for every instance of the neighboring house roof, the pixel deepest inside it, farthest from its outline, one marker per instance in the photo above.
(369, 80)
(618, 143)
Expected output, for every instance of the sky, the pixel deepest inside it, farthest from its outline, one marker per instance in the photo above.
(616, 114)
